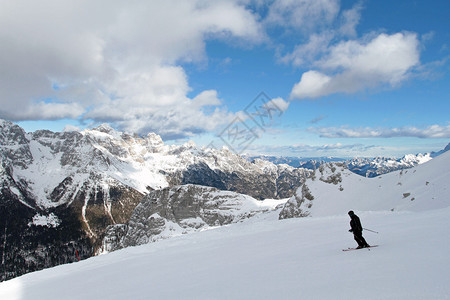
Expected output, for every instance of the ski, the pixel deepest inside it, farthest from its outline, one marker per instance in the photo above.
(350, 249)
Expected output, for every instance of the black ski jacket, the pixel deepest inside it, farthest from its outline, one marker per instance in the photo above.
(355, 224)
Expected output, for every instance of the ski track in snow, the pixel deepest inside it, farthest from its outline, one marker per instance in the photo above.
(265, 259)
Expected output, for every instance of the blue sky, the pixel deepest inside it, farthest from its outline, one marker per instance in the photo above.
(342, 78)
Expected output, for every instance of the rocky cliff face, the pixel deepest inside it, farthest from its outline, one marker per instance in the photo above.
(300, 204)
(254, 179)
(92, 179)
(180, 210)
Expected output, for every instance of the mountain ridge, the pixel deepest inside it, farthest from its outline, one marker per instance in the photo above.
(95, 178)
(364, 166)
(333, 189)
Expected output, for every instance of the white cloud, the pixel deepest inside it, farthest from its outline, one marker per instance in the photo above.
(116, 61)
(305, 54)
(156, 101)
(277, 104)
(43, 110)
(349, 20)
(322, 31)
(433, 131)
(311, 85)
(69, 128)
(304, 15)
(206, 98)
(356, 65)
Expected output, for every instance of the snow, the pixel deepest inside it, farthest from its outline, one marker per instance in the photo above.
(425, 186)
(265, 259)
(41, 220)
(419, 158)
(239, 205)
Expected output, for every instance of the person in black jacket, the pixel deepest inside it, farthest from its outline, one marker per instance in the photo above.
(357, 229)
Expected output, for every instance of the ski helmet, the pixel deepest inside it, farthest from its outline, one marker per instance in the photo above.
(351, 213)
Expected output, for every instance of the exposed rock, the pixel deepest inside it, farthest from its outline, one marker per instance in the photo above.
(298, 205)
(179, 210)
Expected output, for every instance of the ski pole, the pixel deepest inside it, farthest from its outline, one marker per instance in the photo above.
(370, 230)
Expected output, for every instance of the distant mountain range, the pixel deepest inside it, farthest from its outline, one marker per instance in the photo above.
(368, 167)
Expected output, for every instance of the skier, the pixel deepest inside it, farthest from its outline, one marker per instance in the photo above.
(357, 229)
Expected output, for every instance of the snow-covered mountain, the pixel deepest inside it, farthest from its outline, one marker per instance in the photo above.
(372, 167)
(297, 162)
(45, 159)
(368, 167)
(81, 182)
(333, 189)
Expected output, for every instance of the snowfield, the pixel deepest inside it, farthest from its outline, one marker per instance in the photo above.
(424, 187)
(265, 259)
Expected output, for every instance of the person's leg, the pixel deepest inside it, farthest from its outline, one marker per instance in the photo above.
(358, 240)
(364, 242)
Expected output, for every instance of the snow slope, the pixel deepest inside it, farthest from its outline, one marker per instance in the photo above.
(335, 190)
(265, 259)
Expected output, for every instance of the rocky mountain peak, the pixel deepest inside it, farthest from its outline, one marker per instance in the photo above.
(11, 134)
(154, 140)
(105, 128)
(14, 144)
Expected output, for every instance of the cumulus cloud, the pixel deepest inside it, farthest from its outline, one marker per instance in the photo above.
(433, 131)
(311, 85)
(336, 61)
(114, 61)
(357, 65)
